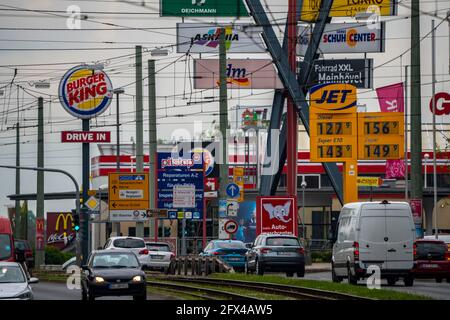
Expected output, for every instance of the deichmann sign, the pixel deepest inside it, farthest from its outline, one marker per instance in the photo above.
(86, 136)
(202, 8)
(349, 8)
(84, 92)
(276, 215)
(204, 38)
(358, 72)
(241, 74)
(345, 38)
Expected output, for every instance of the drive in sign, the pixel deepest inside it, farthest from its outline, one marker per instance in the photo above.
(86, 136)
(276, 214)
(358, 72)
(345, 38)
(204, 38)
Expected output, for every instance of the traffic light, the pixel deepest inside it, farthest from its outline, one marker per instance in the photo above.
(76, 221)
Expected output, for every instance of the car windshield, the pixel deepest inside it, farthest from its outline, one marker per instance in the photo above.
(282, 241)
(129, 243)
(5, 246)
(435, 249)
(11, 274)
(230, 245)
(115, 260)
(158, 247)
(20, 245)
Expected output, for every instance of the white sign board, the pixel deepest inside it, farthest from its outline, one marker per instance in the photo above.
(131, 194)
(345, 38)
(128, 215)
(184, 196)
(204, 38)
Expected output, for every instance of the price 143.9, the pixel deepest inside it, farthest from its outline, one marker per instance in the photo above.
(336, 151)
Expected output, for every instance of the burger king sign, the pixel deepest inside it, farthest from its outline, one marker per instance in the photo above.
(84, 92)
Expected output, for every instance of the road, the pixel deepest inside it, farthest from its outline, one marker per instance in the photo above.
(59, 291)
(424, 287)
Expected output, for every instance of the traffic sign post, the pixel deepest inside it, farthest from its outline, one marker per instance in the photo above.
(233, 190)
(128, 196)
(238, 178)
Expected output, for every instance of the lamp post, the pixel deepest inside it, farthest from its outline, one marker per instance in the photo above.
(118, 91)
(426, 156)
(303, 185)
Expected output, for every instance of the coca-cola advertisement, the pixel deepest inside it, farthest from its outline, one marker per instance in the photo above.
(277, 215)
(59, 229)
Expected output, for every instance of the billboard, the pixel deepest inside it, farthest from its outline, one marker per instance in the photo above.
(202, 8)
(84, 92)
(59, 229)
(277, 215)
(204, 38)
(358, 72)
(241, 74)
(345, 38)
(346, 8)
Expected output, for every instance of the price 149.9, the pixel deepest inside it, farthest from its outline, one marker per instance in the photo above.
(385, 151)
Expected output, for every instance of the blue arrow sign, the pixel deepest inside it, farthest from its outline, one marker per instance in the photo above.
(233, 190)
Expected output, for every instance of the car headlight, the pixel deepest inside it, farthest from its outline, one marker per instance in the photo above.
(99, 280)
(137, 279)
(24, 295)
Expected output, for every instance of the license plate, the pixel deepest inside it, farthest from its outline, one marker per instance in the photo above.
(234, 259)
(286, 253)
(118, 286)
(429, 266)
(157, 257)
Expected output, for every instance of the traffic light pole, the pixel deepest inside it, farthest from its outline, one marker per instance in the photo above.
(77, 190)
(84, 216)
(40, 253)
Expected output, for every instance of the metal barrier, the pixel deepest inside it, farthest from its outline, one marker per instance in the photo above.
(197, 265)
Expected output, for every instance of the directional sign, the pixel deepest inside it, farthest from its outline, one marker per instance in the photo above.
(232, 208)
(233, 190)
(238, 178)
(157, 213)
(128, 193)
(369, 181)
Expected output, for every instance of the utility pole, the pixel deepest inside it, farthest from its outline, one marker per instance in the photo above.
(139, 127)
(18, 217)
(118, 91)
(84, 215)
(40, 253)
(416, 112)
(433, 94)
(153, 143)
(223, 112)
(292, 123)
(406, 133)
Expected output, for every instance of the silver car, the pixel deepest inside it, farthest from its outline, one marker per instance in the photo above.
(159, 255)
(14, 284)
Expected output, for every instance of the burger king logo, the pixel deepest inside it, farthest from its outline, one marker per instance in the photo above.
(85, 93)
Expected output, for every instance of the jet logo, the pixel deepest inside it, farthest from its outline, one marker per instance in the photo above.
(333, 97)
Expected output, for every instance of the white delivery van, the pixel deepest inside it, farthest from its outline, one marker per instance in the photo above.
(378, 234)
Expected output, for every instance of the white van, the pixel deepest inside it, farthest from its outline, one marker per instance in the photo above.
(374, 234)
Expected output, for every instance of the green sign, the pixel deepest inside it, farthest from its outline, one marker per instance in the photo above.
(202, 8)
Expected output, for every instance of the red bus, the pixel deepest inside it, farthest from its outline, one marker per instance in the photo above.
(6, 241)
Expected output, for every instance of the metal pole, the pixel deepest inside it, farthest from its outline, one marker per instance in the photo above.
(223, 110)
(183, 237)
(406, 133)
(153, 143)
(84, 216)
(292, 124)
(116, 225)
(303, 209)
(425, 171)
(17, 220)
(416, 110)
(139, 127)
(433, 64)
(77, 192)
(40, 254)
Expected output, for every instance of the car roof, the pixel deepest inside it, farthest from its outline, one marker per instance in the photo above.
(10, 264)
(443, 237)
(278, 235)
(149, 242)
(225, 240)
(430, 240)
(126, 237)
(112, 251)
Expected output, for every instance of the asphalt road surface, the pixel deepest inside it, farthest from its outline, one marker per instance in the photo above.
(423, 287)
(59, 291)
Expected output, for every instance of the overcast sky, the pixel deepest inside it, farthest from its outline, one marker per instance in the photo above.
(172, 80)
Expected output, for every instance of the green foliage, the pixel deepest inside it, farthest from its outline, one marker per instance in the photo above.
(55, 256)
(321, 256)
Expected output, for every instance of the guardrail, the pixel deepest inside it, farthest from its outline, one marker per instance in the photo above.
(197, 265)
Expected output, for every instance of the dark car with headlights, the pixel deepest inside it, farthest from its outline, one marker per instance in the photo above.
(276, 252)
(113, 273)
(431, 260)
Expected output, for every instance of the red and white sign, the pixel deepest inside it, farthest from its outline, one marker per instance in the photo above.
(86, 136)
(231, 227)
(40, 241)
(277, 214)
(416, 208)
(442, 103)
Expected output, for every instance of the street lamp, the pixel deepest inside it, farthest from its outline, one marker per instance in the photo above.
(303, 185)
(426, 156)
(117, 92)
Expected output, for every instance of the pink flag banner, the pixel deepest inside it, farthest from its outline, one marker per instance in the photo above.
(392, 99)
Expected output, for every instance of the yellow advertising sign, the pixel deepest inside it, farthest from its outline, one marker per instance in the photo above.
(238, 178)
(128, 191)
(369, 181)
(348, 8)
(381, 135)
(333, 98)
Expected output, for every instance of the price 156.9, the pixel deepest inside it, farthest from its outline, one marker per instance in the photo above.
(381, 127)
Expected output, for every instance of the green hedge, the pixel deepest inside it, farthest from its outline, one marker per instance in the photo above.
(55, 256)
(321, 256)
